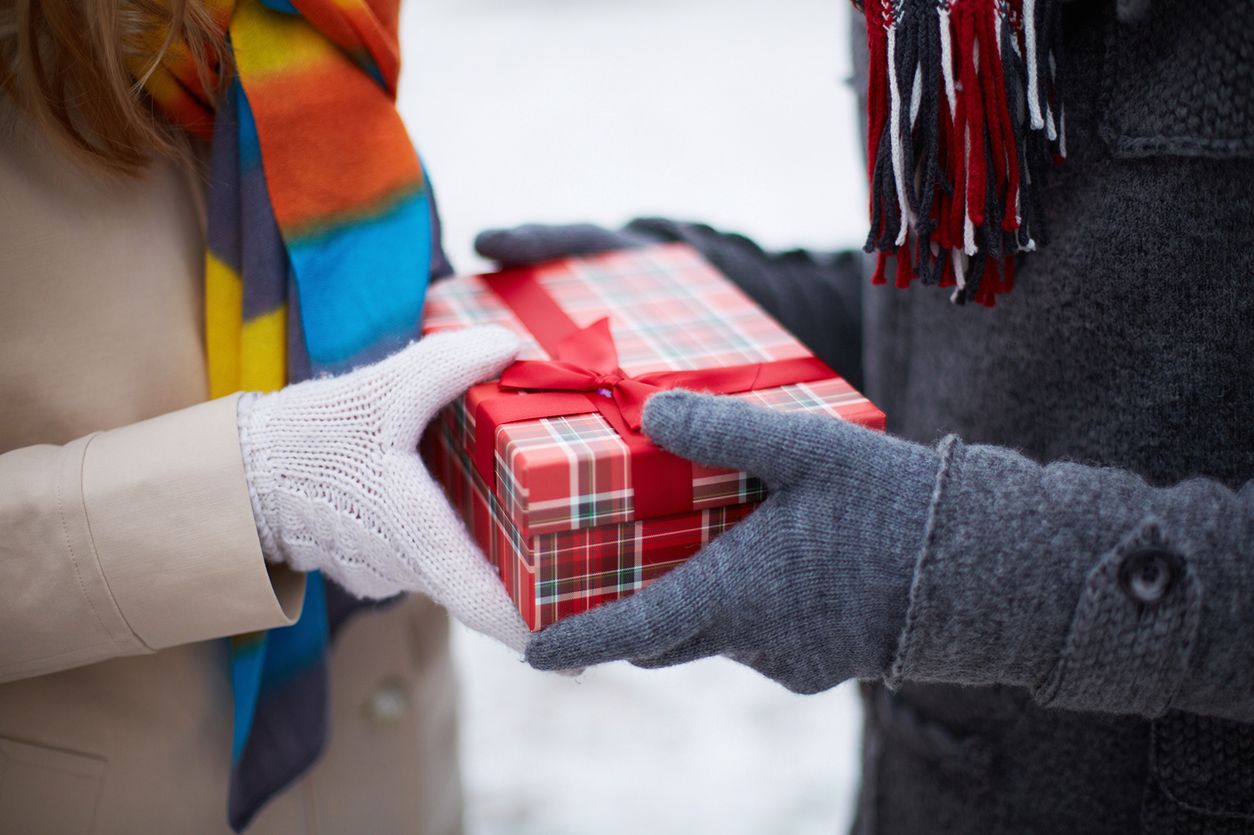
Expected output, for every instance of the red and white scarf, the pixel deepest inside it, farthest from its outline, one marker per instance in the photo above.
(963, 117)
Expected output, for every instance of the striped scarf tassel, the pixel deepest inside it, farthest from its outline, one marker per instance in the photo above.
(963, 118)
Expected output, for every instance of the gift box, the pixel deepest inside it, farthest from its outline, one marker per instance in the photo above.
(548, 466)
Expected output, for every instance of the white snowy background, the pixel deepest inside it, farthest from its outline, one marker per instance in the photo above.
(734, 112)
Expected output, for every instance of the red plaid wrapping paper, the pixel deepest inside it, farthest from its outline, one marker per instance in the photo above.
(560, 524)
(552, 576)
(669, 310)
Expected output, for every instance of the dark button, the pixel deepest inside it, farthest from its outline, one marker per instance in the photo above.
(1146, 574)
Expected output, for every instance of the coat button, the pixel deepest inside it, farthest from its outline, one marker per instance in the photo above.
(1146, 574)
(388, 704)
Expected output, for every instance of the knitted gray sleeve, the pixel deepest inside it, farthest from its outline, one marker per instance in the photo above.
(1087, 586)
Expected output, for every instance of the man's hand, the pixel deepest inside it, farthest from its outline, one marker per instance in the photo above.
(810, 590)
(535, 243)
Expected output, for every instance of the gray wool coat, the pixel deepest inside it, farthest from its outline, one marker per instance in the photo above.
(1127, 344)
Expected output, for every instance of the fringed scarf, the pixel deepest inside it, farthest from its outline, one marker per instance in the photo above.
(963, 117)
(321, 243)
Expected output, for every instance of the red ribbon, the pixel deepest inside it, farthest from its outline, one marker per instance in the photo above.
(587, 361)
(583, 376)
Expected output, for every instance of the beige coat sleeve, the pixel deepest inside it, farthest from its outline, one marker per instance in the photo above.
(132, 540)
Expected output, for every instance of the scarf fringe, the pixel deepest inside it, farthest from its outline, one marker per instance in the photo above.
(964, 115)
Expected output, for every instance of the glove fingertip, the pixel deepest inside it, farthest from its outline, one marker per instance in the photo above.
(490, 243)
(546, 654)
(472, 355)
(496, 341)
(723, 431)
(590, 641)
(706, 428)
(522, 245)
(581, 641)
(668, 418)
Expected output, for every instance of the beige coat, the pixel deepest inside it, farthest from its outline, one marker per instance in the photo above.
(127, 545)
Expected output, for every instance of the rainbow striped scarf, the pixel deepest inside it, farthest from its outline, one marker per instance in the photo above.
(322, 238)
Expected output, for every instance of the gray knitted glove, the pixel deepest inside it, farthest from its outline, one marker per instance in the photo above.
(967, 565)
(810, 590)
(816, 296)
(535, 243)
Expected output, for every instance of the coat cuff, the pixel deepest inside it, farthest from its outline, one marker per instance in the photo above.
(1007, 548)
(905, 664)
(172, 525)
(1059, 579)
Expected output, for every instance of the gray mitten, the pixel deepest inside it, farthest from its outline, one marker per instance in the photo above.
(811, 589)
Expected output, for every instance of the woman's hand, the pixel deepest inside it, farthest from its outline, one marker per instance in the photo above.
(338, 486)
(810, 590)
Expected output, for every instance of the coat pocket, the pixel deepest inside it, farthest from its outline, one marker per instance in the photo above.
(1202, 776)
(47, 790)
(1176, 81)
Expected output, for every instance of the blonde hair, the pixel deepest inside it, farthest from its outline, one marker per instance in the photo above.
(77, 69)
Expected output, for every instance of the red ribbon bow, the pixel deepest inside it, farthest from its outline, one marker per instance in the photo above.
(587, 361)
(583, 376)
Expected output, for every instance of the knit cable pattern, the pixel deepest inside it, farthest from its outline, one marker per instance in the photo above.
(337, 484)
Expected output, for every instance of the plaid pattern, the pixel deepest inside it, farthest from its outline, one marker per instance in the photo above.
(555, 575)
(669, 310)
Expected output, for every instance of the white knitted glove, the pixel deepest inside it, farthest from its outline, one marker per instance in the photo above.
(337, 485)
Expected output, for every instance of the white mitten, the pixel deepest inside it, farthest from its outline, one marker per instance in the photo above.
(337, 485)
